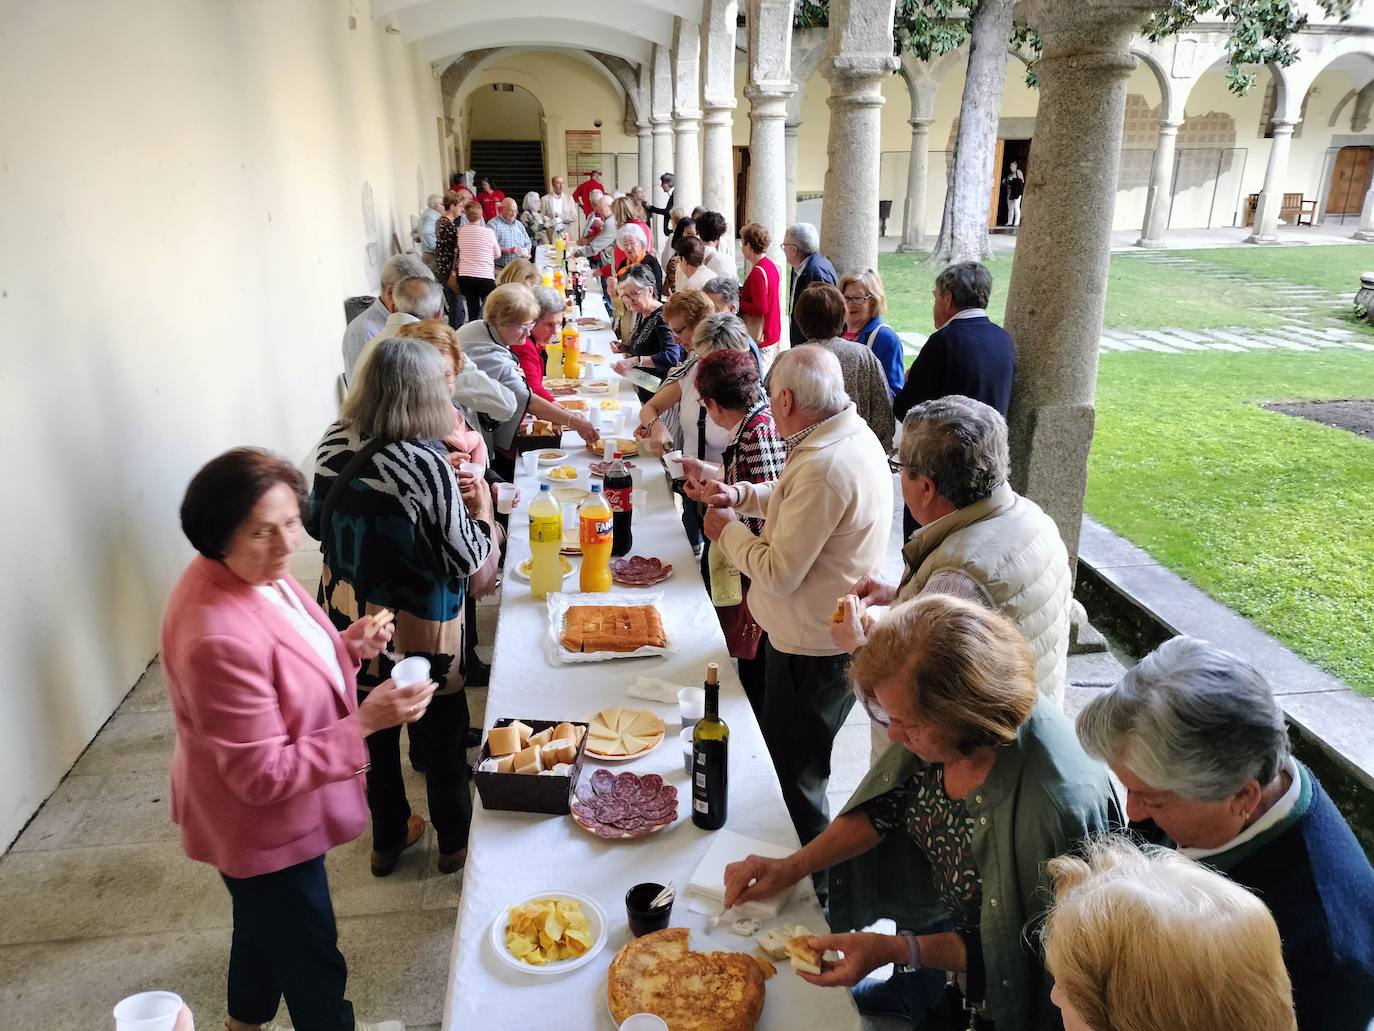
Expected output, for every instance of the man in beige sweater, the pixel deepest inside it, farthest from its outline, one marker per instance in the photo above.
(826, 523)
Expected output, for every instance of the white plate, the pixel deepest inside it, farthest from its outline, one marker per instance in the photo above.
(562, 457)
(520, 574)
(596, 924)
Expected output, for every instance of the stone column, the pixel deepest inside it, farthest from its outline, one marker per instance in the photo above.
(860, 58)
(914, 210)
(687, 113)
(1059, 276)
(1160, 197)
(661, 121)
(1366, 229)
(645, 176)
(1266, 227)
(769, 87)
(790, 132)
(718, 103)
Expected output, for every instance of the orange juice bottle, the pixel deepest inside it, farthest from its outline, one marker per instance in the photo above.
(572, 352)
(595, 532)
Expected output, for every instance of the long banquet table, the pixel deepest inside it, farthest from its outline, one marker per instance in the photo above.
(513, 855)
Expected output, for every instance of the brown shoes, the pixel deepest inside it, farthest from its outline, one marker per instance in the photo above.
(452, 862)
(383, 863)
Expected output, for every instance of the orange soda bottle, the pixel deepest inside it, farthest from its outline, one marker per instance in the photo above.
(595, 532)
(558, 280)
(572, 351)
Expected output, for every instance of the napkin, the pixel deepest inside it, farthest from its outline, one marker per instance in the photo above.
(653, 689)
(707, 884)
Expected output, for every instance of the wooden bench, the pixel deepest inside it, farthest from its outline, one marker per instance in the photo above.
(1296, 209)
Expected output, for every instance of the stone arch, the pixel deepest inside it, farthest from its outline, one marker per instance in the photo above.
(1170, 106)
(1298, 78)
(923, 79)
(465, 68)
(805, 61)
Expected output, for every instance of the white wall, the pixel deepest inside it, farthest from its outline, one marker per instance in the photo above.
(180, 200)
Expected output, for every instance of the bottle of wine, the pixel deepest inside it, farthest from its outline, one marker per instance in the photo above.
(710, 760)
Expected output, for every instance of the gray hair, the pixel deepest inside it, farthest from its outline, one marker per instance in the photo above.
(630, 231)
(418, 296)
(404, 266)
(724, 287)
(434, 201)
(639, 275)
(595, 196)
(399, 392)
(959, 443)
(720, 332)
(1191, 719)
(813, 375)
(803, 236)
(969, 284)
(532, 201)
(548, 299)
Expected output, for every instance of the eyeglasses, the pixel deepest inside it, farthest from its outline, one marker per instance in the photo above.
(860, 299)
(894, 463)
(875, 711)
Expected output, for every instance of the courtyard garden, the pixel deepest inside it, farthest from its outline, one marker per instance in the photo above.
(1271, 514)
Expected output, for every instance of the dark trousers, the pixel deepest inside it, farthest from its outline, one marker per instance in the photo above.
(285, 943)
(805, 701)
(436, 738)
(752, 678)
(475, 293)
(457, 312)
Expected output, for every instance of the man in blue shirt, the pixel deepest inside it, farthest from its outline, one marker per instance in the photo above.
(801, 246)
(511, 235)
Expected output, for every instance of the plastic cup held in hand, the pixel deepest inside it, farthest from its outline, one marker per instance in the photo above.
(505, 497)
(691, 705)
(674, 461)
(148, 1011)
(411, 671)
(473, 469)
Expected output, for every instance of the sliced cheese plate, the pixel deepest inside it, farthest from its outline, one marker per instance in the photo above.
(619, 733)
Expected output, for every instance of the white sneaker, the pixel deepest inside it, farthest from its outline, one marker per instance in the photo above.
(380, 1025)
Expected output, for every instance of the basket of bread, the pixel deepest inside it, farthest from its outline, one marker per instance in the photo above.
(530, 766)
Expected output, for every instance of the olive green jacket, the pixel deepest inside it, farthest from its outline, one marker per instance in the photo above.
(1042, 797)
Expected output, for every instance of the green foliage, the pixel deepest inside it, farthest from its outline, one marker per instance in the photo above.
(1261, 30)
(811, 14)
(929, 28)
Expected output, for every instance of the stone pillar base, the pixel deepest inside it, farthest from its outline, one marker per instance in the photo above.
(1152, 245)
(913, 249)
(1264, 241)
(1367, 235)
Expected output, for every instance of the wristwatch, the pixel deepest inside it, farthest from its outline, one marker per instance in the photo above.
(913, 945)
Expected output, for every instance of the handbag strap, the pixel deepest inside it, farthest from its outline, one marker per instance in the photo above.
(701, 431)
(346, 476)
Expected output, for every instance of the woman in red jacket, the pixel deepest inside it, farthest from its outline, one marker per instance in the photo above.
(267, 774)
(760, 298)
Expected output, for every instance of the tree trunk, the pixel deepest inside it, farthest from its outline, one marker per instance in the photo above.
(944, 242)
(976, 143)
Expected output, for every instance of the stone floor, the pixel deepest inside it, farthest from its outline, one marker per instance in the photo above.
(99, 902)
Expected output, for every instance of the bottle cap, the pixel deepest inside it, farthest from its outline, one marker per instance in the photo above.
(543, 487)
(596, 488)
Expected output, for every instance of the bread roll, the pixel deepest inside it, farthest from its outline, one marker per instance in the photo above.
(505, 764)
(525, 732)
(542, 738)
(529, 761)
(559, 752)
(565, 732)
(503, 741)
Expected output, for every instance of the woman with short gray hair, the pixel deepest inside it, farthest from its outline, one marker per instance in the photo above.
(651, 346)
(1198, 739)
(385, 506)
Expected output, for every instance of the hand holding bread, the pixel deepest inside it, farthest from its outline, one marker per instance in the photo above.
(861, 952)
(850, 623)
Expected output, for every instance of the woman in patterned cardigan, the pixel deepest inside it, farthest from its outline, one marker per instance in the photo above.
(728, 384)
(396, 534)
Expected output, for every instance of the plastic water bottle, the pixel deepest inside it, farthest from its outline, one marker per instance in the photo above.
(546, 537)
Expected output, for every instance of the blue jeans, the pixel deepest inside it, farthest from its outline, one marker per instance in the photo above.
(285, 942)
(904, 996)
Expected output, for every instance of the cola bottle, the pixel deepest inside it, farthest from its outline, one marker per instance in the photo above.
(619, 491)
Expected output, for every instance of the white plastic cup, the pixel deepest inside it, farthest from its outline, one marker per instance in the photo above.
(644, 1022)
(410, 671)
(594, 415)
(674, 460)
(473, 469)
(691, 705)
(148, 1011)
(505, 497)
(530, 461)
(686, 736)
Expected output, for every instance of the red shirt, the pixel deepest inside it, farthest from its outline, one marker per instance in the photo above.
(491, 203)
(583, 194)
(761, 295)
(531, 358)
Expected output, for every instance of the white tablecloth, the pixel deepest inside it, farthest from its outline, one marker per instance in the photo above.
(512, 855)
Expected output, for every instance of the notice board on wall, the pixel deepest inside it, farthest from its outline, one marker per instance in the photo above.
(584, 154)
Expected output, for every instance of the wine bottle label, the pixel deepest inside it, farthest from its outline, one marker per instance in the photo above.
(621, 499)
(547, 530)
(701, 805)
(701, 780)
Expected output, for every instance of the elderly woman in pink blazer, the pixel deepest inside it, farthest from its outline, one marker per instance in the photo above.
(267, 775)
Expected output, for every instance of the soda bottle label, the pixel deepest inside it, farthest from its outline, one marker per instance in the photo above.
(621, 499)
(547, 530)
(594, 531)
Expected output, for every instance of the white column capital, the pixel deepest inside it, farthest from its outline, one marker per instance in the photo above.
(1170, 127)
(920, 126)
(1283, 127)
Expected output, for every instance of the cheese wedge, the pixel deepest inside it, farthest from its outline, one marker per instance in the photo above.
(803, 956)
(503, 741)
(645, 724)
(631, 743)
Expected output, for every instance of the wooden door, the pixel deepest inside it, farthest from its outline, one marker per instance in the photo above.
(1350, 180)
(996, 197)
(741, 186)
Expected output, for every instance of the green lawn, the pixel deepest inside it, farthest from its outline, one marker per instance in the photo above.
(1272, 515)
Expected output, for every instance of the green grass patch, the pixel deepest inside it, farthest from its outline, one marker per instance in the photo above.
(1336, 268)
(1271, 515)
